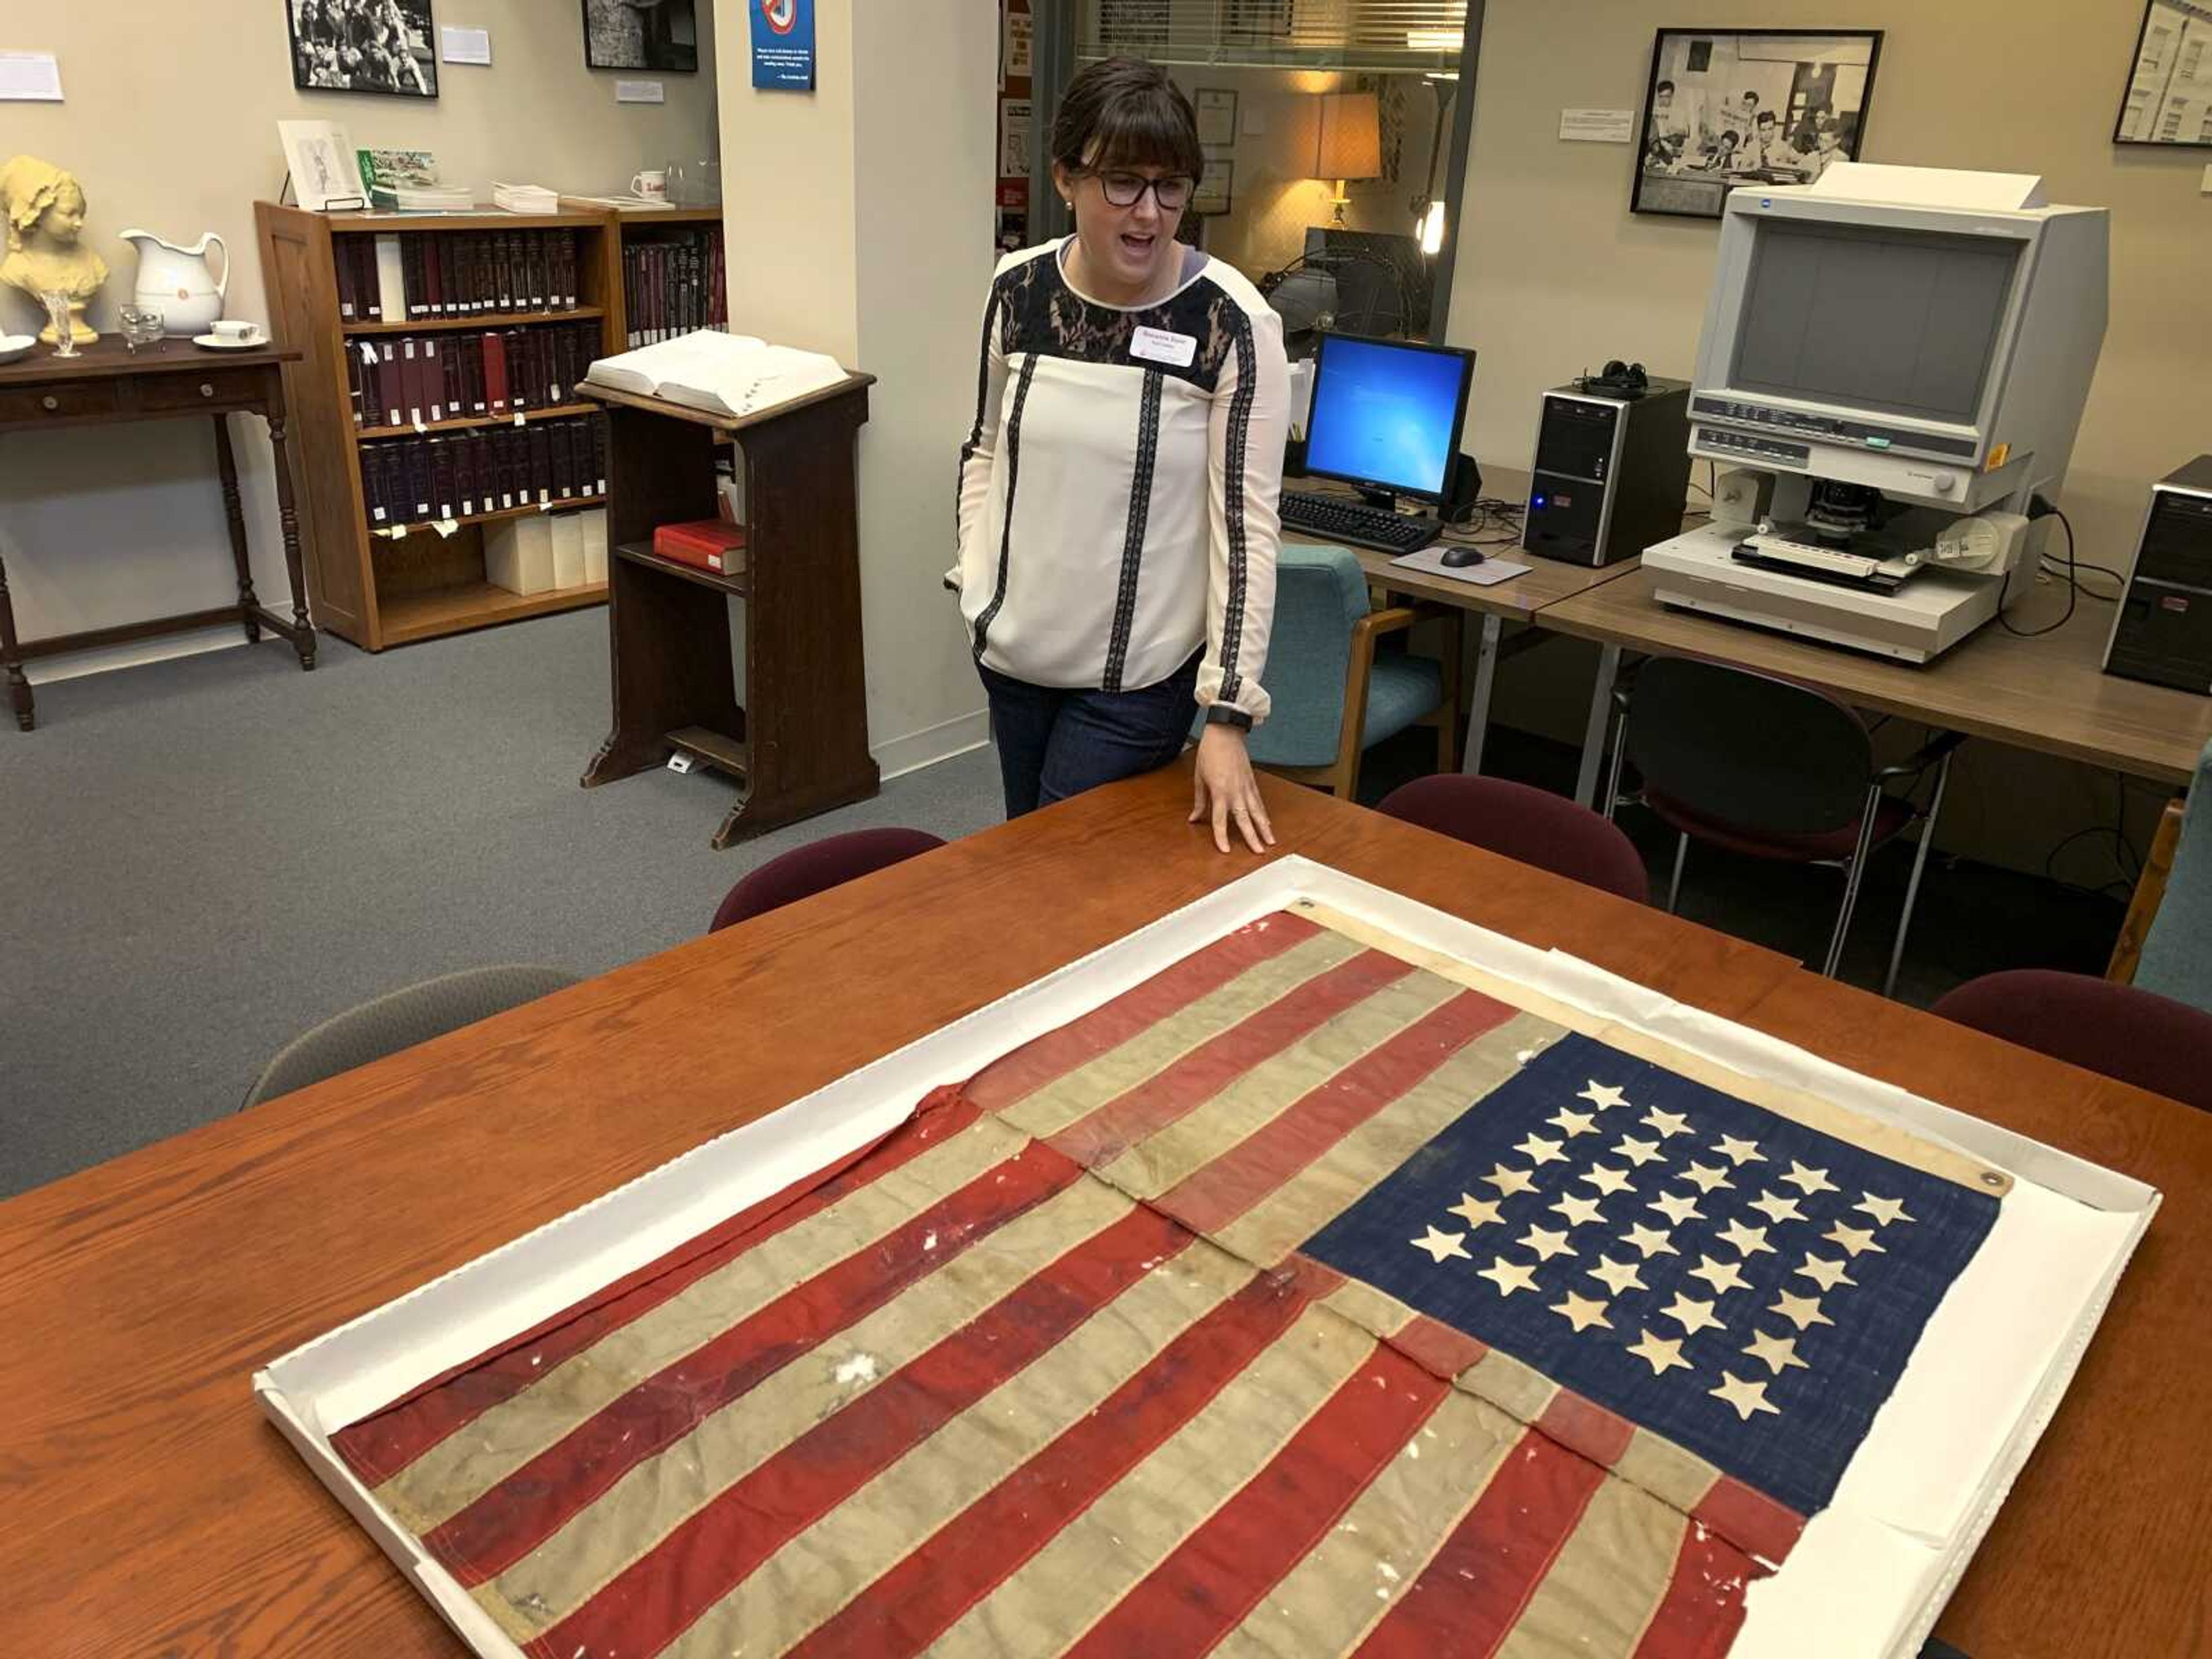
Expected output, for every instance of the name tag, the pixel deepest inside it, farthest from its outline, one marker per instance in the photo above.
(1156, 345)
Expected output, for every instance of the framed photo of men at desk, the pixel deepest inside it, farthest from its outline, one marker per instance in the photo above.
(1726, 108)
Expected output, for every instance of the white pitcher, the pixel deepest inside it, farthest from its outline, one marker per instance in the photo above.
(180, 283)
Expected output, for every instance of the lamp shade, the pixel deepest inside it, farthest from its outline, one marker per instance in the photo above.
(1349, 141)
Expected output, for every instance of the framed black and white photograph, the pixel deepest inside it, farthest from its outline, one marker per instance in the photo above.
(1726, 107)
(364, 45)
(2169, 95)
(642, 34)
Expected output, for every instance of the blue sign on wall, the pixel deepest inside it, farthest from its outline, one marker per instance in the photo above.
(783, 45)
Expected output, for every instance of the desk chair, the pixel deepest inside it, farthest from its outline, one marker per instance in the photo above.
(1532, 825)
(400, 1019)
(2166, 943)
(817, 867)
(2115, 1030)
(1335, 696)
(1772, 770)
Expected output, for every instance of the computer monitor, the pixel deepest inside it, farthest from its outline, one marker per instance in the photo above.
(1387, 413)
(1930, 338)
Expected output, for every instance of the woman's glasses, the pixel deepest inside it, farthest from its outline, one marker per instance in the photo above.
(1123, 189)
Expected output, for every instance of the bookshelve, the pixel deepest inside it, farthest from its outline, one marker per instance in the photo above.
(367, 586)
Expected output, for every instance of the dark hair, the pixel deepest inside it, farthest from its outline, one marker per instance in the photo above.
(1751, 98)
(1664, 86)
(1767, 115)
(1125, 112)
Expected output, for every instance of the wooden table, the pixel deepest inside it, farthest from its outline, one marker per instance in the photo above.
(155, 1512)
(2048, 694)
(105, 383)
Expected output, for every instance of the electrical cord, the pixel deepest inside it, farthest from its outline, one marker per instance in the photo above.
(2073, 587)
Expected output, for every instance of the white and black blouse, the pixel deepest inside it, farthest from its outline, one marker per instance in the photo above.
(1118, 494)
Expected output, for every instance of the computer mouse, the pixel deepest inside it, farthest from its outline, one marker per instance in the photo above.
(1458, 558)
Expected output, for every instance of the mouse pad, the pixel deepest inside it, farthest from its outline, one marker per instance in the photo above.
(1430, 562)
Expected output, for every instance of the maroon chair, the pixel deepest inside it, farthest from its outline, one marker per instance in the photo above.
(817, 867)
(2116, 1030)
(1533, 825)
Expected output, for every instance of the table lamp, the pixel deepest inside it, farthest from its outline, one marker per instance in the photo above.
(1348, 144)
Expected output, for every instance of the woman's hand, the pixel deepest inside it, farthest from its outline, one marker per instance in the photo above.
(1222, 786)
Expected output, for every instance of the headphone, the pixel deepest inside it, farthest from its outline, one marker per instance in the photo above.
(1628, 379)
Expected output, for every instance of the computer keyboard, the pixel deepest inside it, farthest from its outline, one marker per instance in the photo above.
(1334, 518)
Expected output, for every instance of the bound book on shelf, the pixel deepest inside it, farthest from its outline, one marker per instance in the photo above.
(705, 543)
(726, 374)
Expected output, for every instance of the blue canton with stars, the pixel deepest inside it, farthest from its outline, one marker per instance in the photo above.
(1744, 1285)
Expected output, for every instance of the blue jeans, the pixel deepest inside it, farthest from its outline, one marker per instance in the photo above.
(1053, 743)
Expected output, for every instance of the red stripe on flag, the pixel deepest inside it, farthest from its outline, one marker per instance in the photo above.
(514, 1517)
(1054, 1054)
(658, 1597)
(1703, 1607)
(917, 1601)
(1751, 1520)
(1584, 1426)
(1210, 1198)
(1205, 1071)
(1314, 1279)
(1471, 1593)
(378, 1447)
(1203, 1591)
(1437, 1346)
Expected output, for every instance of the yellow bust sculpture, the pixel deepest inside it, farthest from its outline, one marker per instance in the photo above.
(46, 215)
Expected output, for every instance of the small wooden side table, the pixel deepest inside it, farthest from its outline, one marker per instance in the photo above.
(106, 383)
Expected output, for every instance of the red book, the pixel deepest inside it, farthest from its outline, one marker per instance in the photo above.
(494, 371)
(707, 543)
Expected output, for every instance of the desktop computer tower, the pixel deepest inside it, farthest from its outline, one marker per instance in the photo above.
(1612, 473)
(2163, 633)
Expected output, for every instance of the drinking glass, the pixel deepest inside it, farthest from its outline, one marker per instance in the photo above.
(57, 313)
(142, 326)
(695, 184)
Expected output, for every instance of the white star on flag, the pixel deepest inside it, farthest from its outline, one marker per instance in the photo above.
(1509, 1276)
(1539, 1150)
(1603, 1096)
(1618, 1277)
(1746, 1397)
(1707, 1178)
(1853, 1239)
(1721, 1275)
(1739, 1152)
(1608, 1181)
(1746, 1242)
(1572, 1123)
(1636, 1152)
(1652, 1241)
(1582, 1312)
(1802, 1311)
(1475, 1211)
(1441, 1244)
(1807, 1181)
(1691, 1316)
(1826, 1274)
(1883, 1210)
(1578, 1211)
(1778, 1209)
(1778, 1352)
(1509, 1181)
(1677, 1207)
(1666, 1123)
(1662, 1353)
(1546, 1243)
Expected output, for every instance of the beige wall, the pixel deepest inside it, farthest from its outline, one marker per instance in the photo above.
(171, 123)
(1555, 274)
(865, 229)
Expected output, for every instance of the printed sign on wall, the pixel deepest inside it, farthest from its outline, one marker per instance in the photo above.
(783, 45)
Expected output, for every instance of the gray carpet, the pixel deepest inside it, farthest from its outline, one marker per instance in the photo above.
(199, 859)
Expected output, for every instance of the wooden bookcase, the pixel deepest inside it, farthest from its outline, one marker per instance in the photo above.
(370, 588)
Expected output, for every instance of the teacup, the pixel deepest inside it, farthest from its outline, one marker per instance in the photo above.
(234, 332)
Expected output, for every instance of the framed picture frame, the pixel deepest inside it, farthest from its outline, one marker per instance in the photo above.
(386, 46)
(662, 35)
(1217, 117)
(2167, 99)
(1724, 108)
(1217, 189)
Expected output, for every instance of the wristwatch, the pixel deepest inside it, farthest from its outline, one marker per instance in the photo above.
(1221, 713)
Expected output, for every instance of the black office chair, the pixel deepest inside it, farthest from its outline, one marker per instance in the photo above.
(1772, 770)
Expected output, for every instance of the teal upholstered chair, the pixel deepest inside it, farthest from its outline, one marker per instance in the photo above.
(1334, 697)
(2174, 926)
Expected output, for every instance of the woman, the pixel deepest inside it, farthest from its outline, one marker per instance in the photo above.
(1118, 492)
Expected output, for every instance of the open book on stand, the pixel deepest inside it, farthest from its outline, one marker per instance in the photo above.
(730, 375)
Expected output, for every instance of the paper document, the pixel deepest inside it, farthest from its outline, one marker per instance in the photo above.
(1598, 126)
(31, 77)
(723, 373)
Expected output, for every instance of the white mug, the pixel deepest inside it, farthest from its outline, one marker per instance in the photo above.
(651, 185)
(242, 332)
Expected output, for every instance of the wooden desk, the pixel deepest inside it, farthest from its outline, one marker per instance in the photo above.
(795, 734)
(166, 1516)
(106, 383)
(2047, 694)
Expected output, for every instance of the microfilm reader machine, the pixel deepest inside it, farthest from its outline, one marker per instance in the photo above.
(1892, 372)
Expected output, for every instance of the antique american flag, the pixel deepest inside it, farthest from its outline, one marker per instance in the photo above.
(1311, 1297)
